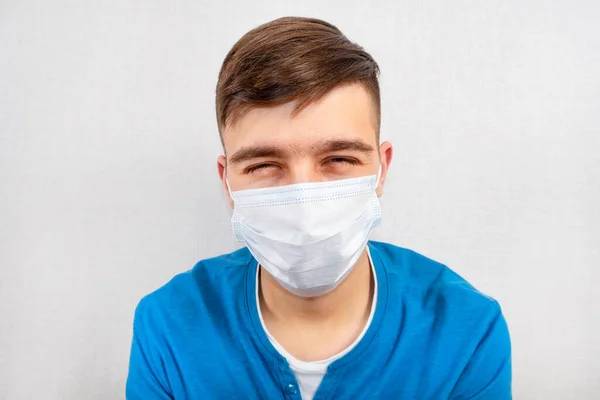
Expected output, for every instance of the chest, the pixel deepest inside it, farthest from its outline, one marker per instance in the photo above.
(221, 376)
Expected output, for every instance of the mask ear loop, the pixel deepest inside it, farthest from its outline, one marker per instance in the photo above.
(378, 176)
(228, 188)
(235, 219)
(374, 202)
(227, 183)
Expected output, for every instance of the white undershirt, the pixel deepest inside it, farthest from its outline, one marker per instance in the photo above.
(310, 373)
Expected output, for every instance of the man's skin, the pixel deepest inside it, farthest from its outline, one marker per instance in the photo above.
(334, 138)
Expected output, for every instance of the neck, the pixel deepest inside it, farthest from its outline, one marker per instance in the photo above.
(349, 301)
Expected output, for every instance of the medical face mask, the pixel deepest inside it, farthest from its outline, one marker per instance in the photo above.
(308, 236)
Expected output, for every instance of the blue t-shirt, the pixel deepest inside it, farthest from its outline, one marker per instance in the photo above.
(433, 336)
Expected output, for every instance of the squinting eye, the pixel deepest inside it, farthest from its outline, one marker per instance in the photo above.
(342, 160)
(255, 168)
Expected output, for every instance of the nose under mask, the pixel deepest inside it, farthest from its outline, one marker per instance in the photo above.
(308, 236)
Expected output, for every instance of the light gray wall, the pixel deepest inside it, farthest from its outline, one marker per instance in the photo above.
(108, 181)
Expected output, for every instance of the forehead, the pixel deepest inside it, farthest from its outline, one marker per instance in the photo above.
(346, 112)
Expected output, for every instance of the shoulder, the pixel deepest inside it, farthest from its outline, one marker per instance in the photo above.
(433, 287)
(192, 292)
(432, 301)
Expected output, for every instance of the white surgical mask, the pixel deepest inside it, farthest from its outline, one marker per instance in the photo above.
(308, 236)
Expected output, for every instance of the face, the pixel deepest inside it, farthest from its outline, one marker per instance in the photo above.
(334, 138)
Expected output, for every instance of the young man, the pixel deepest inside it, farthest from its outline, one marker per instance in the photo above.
(310, 309)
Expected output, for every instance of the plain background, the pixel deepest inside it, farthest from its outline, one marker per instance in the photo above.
(108, 178)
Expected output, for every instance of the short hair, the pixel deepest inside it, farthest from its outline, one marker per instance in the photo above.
(291, 59)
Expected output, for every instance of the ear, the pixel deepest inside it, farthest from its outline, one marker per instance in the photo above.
(385, 156)
(222, 168)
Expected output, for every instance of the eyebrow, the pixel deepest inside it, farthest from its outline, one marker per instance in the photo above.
(321, 147)
(249, 153)
(329, 146)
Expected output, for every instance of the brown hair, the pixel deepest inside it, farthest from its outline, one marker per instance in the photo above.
(291, 59)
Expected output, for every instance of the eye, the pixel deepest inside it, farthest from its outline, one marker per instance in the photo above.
(342, 161)
(263, 168)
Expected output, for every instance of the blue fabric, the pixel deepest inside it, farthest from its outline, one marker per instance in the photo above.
(433, 336)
